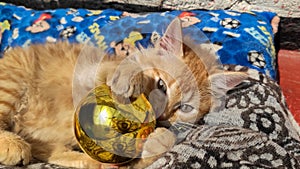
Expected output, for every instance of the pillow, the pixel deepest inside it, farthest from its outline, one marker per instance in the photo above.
(241, 38)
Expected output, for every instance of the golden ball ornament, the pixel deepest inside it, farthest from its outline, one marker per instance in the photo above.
(111, 132)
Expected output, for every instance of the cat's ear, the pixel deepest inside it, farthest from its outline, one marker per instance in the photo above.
(172, 39)
(225, 81)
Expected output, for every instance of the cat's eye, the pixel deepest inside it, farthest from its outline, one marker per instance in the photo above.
(186, 108)
(161, 85)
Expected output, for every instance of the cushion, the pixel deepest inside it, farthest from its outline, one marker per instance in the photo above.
(241, 38)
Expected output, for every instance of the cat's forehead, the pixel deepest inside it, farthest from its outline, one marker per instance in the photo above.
(169, 66)
(159, 59)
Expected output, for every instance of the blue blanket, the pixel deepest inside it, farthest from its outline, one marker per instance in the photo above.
(241, 38)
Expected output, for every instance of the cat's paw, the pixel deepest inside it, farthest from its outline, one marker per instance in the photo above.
(158, 142)
(127, 82)
(13, 149)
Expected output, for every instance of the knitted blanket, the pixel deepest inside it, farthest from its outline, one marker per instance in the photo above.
(255, 130)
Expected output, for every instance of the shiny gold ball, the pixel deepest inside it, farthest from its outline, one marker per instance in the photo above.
(111, 132)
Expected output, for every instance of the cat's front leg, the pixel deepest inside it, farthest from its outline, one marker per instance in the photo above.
(157, 143)
(127, 80)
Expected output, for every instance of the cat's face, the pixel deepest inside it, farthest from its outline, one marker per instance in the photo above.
(176, 98)
(180, 86)
(176, 80)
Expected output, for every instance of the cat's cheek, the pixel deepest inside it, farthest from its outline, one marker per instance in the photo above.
(190, 117)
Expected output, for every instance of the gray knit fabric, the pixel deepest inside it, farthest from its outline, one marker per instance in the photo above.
(255, 130)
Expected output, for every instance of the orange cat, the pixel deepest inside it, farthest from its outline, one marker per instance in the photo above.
(38, 85)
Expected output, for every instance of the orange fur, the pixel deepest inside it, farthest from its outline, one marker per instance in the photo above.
(40, 110)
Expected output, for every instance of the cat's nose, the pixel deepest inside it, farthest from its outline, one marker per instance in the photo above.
(159, 101)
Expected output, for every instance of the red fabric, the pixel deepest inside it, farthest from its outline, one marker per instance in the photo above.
(289, 73)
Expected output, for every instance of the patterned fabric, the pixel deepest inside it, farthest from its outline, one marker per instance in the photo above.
(226, 147)
(255, 130)
(240, 38)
